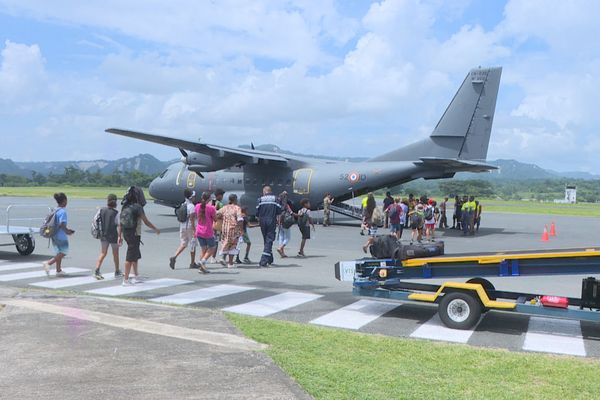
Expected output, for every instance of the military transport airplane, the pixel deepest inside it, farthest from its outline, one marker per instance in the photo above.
(458, 143)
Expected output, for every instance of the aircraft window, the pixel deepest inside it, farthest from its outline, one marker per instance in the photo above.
(248, 181)
(163, 173)
(240, 181)
(232, 180)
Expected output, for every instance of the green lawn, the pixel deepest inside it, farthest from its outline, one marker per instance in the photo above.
(71, 192)
(336, 364)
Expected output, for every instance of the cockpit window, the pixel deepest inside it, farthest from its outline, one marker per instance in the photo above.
(163, 173)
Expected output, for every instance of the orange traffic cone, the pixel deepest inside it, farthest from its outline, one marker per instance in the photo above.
(552, 229)
(545, 237)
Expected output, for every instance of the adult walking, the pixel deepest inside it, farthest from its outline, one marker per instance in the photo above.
(186, 216)
(60, 239)
(205, 216)
(267, 211)
(387, 202)
(109, 235)
(327, 209)
(130, 229)
(232, 218)
(286, 220)
(443, 216)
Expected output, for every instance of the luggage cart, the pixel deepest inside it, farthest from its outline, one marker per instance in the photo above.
(22, 229)
(461, 304)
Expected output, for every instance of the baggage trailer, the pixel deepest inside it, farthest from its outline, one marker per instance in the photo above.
(22, 229)
(461, 304)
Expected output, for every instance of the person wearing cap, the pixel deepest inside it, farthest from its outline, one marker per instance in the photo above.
(109, 221)
(187, 232)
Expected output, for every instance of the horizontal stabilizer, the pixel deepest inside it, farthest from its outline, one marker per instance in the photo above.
(455, 165)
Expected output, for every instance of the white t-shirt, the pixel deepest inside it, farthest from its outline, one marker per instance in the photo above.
(191, 209)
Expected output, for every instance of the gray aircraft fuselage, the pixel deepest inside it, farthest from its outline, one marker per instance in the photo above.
(312, 181)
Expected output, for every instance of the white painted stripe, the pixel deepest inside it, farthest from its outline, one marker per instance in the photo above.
(355, 315)
(196, 296)
(273, 304)
(68, 282)
(434, 329)
(551, 335)
(141, 287)
(37, 274)
(5, 266)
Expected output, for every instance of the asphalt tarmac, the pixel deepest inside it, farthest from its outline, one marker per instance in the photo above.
(305, 289)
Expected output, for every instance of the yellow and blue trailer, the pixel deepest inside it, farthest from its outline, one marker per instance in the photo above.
(461, 304)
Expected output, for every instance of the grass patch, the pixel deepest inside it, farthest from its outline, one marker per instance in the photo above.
(526, 207)
(72, 192)
(337, 364)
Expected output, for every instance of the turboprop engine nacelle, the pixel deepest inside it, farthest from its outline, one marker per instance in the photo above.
(199, 162)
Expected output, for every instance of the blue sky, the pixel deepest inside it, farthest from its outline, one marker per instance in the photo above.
(343, 78)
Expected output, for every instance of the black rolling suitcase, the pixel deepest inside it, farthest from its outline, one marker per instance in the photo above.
(420, 250)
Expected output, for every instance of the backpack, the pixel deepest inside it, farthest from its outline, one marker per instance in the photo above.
(288, 220)
(97, 226)
(182, 212)
(393, 211)
(383, 246)
(303, 219)
(415, 220)
(428, 214)
(128, 220)
(48, 228)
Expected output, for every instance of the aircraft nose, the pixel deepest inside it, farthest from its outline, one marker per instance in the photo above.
(153, 188)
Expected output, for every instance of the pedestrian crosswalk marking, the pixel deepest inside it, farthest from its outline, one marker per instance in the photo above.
(549, 335)
(434, 329)
(6, 266)
(69, 282)
(355, 315)
(204, 294)
(141, 287)
(273, 304)
(36, 274)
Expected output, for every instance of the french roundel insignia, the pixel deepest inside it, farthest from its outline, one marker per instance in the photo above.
(353, 177)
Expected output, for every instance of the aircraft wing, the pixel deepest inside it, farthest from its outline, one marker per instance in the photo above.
(239, 155)
(455, 165)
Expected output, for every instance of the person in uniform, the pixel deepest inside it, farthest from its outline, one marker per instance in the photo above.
(326, 209)
(267, 211)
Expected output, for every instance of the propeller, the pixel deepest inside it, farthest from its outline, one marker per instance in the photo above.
(184, 154)
(252, 146)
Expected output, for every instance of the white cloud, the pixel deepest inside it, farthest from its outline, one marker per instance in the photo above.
(304, 76)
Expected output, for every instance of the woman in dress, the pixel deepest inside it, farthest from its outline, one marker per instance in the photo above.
(232, 217)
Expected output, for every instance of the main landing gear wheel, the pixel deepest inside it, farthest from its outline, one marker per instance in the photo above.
(24, 244)
(459, 310)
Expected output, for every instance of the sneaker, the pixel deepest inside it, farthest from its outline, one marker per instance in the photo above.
(247, 261)
(202, 268)
(98, 275)
(172, 262)
(212, 260)
(136, 280)
(128, 282)
(223, 263)
(194, 266)
(237, 260)
(46, 268)
(61, 274)
(118, 273)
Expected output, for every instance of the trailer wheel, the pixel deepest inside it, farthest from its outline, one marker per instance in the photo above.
(24, 244)
(459, 310)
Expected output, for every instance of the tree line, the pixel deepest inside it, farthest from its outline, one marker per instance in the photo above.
(76, 177)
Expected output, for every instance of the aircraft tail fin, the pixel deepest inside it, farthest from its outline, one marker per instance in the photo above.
(463, 132)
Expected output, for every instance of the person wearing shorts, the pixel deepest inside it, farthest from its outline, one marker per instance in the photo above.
(130, 229)
(205, 217)
(245, 238)
(304, 220)
(109, 237)
(60, 239)
(187, 231)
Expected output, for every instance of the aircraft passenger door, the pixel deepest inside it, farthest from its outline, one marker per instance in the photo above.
(302, 179)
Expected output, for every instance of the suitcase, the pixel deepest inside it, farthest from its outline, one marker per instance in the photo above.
(384, 246)
(590, 293)
(421, 250)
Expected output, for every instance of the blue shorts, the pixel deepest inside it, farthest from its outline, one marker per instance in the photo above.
(61, 246)
(395, 228)
(207, 242)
